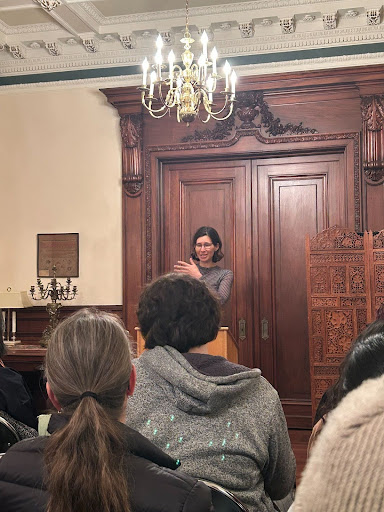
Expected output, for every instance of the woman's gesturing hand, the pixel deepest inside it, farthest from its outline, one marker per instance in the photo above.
(187, 268)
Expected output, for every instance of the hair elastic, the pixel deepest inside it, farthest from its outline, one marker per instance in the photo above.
(91, 394)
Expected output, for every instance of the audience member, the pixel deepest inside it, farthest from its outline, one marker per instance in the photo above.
(15, 398)
(92, 461)
(223, 421)
(344, 471)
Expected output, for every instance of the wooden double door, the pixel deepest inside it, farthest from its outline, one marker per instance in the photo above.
(262, 208)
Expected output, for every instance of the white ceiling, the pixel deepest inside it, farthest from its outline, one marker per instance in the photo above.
(100, 34)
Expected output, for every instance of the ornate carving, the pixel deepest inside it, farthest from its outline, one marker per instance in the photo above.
(372, 112)
(339, 326)
(221, 131)
(378, 240)
(379, 278)
(326, 302)
(336, 238)
(53, 49)
(128, 42)
(317, 350)
(326, 370)
(319, 280)
(287, 25)
(266, 22)
(16, 51)
(48, 5)
(350, 302)
(133, 183)
(338, 280)
(131, 127)
(317, 323)
(373, 16)
(357, 280)
(330, 21)
(321, 385)
(91, 45)
(250, 104)
(247, 29)
(336, 258)
(361, 319)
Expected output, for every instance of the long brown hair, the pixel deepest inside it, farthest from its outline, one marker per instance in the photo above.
(84, 461)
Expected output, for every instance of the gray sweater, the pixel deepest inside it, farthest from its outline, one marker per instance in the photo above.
(227, 429)
(219, 280)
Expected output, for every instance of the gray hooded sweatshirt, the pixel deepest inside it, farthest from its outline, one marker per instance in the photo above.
(229, 429)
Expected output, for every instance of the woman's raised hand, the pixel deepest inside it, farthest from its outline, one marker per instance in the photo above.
(187, 268)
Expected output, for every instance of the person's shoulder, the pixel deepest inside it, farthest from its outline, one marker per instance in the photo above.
(10, 377)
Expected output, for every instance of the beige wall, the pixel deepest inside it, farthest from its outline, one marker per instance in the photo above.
(60, 171)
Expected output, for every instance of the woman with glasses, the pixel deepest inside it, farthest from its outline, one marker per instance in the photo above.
(207, 252)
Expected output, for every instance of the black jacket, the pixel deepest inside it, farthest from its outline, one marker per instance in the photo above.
(154, 485)
(15, 398)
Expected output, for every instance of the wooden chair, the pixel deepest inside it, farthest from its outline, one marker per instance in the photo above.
(223, 500)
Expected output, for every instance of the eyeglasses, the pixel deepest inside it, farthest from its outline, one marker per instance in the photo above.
(206, 245)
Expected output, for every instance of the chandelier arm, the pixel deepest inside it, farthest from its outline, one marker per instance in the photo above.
(150, 109)
(218, 112)
(160, 116)
(225, 117)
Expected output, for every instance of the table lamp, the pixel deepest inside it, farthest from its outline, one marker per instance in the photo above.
(11, 301)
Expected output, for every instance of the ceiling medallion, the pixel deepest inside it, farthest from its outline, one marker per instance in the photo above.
(48, 5)
(189, 87)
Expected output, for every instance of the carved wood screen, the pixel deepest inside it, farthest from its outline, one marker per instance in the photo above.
(345, 287)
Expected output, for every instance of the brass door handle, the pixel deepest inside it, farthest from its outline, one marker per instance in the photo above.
(264, 329)
(242, 329)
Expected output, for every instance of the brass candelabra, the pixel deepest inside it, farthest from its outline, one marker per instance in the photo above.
(55, 291)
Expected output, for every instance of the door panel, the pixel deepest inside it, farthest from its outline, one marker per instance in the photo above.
(295, 196)
(215, 194)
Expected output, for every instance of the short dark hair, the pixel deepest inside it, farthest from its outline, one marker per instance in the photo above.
(179, 311)
(216, 240)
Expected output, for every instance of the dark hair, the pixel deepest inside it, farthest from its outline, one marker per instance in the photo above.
(365, 360)
(216, 240)
(88, 351)
(178, 310)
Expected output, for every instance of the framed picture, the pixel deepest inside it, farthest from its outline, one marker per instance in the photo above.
(60, 250)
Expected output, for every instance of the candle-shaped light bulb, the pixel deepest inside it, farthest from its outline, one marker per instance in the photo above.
(214, 59)
(171, 60)
(204, 42)
(145, 66)
(227, 71)
(201, 63)
(210, 88)
(233, 83)
(159, 42)
(152, 85)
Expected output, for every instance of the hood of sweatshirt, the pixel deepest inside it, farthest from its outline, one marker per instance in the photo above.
(189, 390)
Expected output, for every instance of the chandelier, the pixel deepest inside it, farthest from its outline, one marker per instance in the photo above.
(189, 89)
(48, 5)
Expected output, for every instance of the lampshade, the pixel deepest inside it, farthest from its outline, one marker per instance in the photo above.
(14, 300)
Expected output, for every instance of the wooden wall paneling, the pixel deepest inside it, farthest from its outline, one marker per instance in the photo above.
(216, 194)
(374, 206)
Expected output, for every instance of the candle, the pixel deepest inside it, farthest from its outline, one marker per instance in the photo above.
(210, 88)
(13, 321)
(200, 62)
(214, 58)
(227, 71)
(204, 42)
(159, 58)
(233, 84)
(171, 60)
(3, 323)
(145, 71)
(151, 87)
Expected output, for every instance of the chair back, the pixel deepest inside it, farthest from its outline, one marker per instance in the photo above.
(223, 500)
(8, 435)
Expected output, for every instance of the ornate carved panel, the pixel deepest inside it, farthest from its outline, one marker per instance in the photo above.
(131, 127)
(372, 111)
(341, 258)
